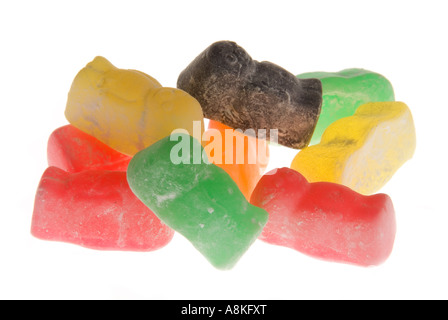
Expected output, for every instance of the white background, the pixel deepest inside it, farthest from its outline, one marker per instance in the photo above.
(45, 43)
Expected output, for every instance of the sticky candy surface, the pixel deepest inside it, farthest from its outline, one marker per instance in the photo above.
(325, 220)
(73, 150)
(97, 210)
(243, 93)
(362, 151)
(127, 109)
(344, 91)
(200, 201)
(243, 157)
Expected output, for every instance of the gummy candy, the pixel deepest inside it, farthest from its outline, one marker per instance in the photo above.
(325, 220)
(248, 159)
(196, 198)
(73, 150)
(344, 91)
(95, 209)
(243, 93)
(120, 179)
(127, 109)
(362, 151)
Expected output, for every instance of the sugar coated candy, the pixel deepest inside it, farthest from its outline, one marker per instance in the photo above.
(127, 109)
(344, 91)
(325, 220)
(243, 157)
(362, 151)
(196, 198)
(243, 93)
(73, 150)
(95, 209)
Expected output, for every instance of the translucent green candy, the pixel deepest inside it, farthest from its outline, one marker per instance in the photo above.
(343, 92)
(196, 198)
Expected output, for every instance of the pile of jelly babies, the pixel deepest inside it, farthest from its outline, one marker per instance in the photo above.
(135, 164)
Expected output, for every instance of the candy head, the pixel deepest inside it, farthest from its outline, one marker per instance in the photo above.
(228, 55)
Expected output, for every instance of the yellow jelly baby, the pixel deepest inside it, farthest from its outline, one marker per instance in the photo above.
(362, 151)
(127, 109)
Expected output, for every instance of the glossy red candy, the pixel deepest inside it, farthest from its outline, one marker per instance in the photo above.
(97, 210)
(325, 220)
(74, 150)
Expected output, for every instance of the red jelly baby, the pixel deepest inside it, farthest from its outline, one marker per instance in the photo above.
(325, 220)
(97, 210)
